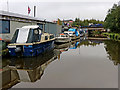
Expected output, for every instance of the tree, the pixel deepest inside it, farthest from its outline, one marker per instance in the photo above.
(112, 20)
(86, 22)
(59, 22)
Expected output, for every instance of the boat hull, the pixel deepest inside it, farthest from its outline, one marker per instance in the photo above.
(31, 50)
(62, 40)
(74, 37)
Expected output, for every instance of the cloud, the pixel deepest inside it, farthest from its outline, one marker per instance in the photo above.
(69, 10)
(86, 9)
(62, 0)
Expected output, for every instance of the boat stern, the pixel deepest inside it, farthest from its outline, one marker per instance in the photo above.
(21, 50)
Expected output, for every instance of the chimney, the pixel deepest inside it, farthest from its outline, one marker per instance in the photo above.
(34, 11)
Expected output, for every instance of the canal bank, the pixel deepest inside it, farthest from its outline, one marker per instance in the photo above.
(76, 65)
(112, 36)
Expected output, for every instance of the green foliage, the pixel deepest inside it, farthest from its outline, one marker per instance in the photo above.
(113, 50)
(112, 20)
(59, 22)
(88, 43)
(86, 22)
(96, 33)
(114, 36)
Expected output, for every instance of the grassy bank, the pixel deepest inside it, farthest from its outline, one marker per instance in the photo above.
(113, 36)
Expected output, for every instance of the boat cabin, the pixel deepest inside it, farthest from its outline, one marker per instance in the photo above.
(27, 34)
(70, 33)
(30, 34)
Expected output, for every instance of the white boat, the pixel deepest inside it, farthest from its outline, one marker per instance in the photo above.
(30, 41)
(71, 34)
(62, 38)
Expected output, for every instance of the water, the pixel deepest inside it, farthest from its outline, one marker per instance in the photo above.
(80, 64)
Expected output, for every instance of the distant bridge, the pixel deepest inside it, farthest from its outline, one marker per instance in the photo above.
(94, 28)
(91, 29)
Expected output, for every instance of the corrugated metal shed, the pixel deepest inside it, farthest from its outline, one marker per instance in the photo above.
(14, 20)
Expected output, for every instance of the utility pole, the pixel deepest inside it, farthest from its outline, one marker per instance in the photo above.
(7, 6)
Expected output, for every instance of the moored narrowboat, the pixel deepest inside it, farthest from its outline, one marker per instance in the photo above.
(62, 38)
(73, 33)
(30, 41)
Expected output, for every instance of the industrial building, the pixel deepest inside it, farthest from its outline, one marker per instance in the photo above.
(10, 21)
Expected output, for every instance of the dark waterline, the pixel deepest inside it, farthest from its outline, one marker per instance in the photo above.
(80, 64)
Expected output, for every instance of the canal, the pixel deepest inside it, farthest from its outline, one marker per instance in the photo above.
(79, 64)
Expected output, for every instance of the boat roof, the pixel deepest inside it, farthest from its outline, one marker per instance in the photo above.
(72, 29)
(31, 26)
(47, 34)
(62, 34)
(21, 16)
(68, 31)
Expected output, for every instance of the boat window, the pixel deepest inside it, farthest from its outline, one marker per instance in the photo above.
(40, 32)
(14, 38)
(36, 32)
(51, 36)
(57, 35)
(36, 37)
(22, 35)
(30, 37)
(66, 33)
(33, 36)
(63, 36)
(46, 37)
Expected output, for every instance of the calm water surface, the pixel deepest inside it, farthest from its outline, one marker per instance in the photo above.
(80, 64)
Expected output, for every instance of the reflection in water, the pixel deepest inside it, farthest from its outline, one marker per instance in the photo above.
(16, 70)
(74, 44)
(9, 75)
(62, 47)
(90, 43)
(113, 50)
(59, 48)
(25, 69)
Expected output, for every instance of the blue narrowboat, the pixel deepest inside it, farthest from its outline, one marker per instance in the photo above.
(30, 41)
(73, 33)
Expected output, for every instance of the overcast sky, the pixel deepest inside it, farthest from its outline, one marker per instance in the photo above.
(63, 9)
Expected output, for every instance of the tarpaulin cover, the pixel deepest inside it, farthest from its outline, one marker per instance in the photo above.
(22, 35)
(74, 30)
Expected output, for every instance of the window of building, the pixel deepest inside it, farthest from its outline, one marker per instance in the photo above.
(4, 26)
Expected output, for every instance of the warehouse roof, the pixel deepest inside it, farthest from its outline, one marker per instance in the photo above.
(10, 14)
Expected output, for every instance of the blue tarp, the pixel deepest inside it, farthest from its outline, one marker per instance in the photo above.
(74, 30)
(76, 44)
(96, 25)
